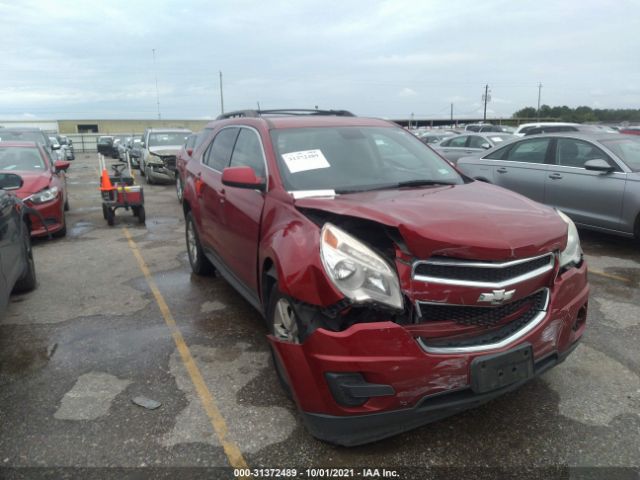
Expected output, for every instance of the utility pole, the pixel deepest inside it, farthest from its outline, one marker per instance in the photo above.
(155, 73)
(258, 105)
(451, 112)
(539, 94)
(221, 95)
(486, 98)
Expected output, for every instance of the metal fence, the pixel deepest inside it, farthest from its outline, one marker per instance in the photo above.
(84, 142)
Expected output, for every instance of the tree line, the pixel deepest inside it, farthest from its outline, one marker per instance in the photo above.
(581, 114)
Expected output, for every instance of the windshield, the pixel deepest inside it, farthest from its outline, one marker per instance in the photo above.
(356, 158)
(105, 140)
(167, 138)
(627, 149)
(21, 159)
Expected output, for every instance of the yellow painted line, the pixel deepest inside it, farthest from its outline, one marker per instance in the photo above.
(236, 460)
(610, 275)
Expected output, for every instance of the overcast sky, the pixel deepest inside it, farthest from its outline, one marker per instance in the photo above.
(381, 58)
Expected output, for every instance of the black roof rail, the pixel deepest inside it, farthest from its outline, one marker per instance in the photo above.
(284, 111)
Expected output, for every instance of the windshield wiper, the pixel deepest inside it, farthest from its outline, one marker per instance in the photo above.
(420, 183)
(387, 186)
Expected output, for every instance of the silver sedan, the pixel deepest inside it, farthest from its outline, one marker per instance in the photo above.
(593, 178)
(467, 144)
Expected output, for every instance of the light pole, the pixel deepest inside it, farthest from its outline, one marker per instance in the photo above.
(486, 98)
(539, 94)
(221, 95)
(155, 73)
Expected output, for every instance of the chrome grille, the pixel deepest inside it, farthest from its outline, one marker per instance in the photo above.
(481, 274)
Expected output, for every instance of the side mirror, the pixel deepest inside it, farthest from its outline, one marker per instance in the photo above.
(10, 181)
(242, 177)
(189, 151)
(55, 147)
(486, 146)
(598, 165)
(61, 165)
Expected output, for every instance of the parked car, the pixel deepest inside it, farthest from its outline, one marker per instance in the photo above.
(396, 291)
(158, 155)
(433, 137)
(28, 134)
(122, 147)
(107, 147)
(17, 268)
(134, 149)
(57, 148)
(67, 144)
(545, 127)
(462, 145)
(593, 178)
(44, 187)
(184, 155)
(483, 127)
(631, 130)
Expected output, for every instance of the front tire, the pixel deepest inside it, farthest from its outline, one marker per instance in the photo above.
(179, 188)
(200, 264)
(148, 177)
(27, 281)
(283, 324)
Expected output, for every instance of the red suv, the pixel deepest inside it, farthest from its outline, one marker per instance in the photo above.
(396, 290)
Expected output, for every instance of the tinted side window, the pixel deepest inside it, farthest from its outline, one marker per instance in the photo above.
(476, 141)
(574, 153)
(458, 142)
(530, 151)
(248, 152)
(218, 154)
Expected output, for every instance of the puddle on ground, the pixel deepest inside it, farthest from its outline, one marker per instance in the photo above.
(80, 228)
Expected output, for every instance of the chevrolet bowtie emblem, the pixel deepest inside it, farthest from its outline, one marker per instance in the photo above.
(497, 296)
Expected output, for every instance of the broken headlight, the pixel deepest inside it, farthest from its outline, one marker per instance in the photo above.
(572, 254)
(356, 270)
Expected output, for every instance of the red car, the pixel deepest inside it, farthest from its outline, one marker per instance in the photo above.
(44, 188)
(184, 155)
(396, 290)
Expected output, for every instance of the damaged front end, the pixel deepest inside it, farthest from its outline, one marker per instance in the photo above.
(397, 351)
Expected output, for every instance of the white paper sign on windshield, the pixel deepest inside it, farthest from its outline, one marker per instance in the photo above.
(305, 160)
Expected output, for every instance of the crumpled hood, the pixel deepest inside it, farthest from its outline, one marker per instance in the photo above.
(475, 220)
(33, 182)
(165, 150)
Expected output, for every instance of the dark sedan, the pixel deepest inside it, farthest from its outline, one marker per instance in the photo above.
(593, 178)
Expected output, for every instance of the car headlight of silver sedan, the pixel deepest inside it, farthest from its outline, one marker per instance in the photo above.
(44, 196)
(572, 254)
(356, 270)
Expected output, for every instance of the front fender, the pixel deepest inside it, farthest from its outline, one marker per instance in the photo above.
(292, 242)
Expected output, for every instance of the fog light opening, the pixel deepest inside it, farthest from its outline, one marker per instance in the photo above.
(581, 318)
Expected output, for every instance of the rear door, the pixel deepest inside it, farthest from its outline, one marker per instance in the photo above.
(521, 167)
(209, 188)
(11, 250)
(588, 197)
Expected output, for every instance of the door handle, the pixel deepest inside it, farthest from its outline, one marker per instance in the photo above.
(502, 170)
(555, 176)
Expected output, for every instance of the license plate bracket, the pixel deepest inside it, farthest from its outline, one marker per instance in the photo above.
(495, 371)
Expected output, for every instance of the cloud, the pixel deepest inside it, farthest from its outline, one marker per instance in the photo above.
(419, 59)
(407, 92)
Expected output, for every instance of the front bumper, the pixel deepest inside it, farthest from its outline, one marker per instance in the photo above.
(160, 173)
(427, 386)
(53, 215)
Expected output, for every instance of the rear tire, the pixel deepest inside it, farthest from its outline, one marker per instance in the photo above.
(27, 281)
(104, 211)
(200, 264)
(141, 215)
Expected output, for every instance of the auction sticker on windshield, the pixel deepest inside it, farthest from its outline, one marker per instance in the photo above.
(305, 160)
